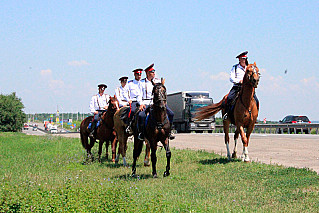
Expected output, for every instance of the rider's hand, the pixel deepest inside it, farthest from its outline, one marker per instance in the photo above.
(130, 101)
(96, 112)
(142, 107)
(105, 107)
(241, 81)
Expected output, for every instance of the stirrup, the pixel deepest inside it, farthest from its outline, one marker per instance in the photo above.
(140, 136)
(91, 134)
(225, 117)
(128, 129)
(171, 136)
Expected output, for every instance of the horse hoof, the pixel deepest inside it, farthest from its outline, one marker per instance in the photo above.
(147, 163)
(166, 173)
(155, 176)
(234, 155)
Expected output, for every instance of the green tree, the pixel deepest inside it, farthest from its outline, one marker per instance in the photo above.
(11, 115)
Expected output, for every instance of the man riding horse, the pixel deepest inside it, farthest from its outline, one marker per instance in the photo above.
(122, 92)
(99, 102)
(147, 101)
(236, 77)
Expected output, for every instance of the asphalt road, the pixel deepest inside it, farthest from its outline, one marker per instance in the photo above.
(301, 151)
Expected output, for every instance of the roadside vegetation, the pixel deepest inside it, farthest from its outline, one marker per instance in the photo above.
(12, 116)
(51, 174)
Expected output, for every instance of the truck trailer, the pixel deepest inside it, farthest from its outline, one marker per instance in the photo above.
(184, 105)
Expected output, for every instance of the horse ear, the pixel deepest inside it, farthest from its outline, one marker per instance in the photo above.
(163, 81)
(255, 63)
(153, 82)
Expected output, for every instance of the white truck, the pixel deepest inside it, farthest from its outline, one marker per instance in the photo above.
(184, 105)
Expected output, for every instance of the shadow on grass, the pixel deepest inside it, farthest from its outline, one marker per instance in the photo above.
(217, 161)
(136, 177)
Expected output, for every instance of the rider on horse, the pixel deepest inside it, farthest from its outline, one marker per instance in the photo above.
(98, 102)
(122, 92)
(236, 77)
(147, 101)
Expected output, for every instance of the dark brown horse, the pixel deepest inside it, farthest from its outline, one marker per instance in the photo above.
(122, 136)
(157, 129)
(104, 133)
(245, 112)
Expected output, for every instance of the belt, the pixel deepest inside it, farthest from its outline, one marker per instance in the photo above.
(147, 99)
(124, 100)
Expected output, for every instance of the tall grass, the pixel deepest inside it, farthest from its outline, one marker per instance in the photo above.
(51, 174)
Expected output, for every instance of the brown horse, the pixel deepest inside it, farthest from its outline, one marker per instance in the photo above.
(104, 132)
(122, 136)
(157, 129)
(245, 112)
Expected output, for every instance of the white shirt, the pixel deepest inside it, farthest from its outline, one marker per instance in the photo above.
(135, 89)
(147, 88)
(236, 77)
(122, 95)
(99, 102)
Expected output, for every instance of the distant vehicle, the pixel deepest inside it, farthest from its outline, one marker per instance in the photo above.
(25, 126)
(294, 119)
(54, 129)
(34, 128)
(184, 105)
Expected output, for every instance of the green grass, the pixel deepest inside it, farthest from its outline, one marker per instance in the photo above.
(50, 174)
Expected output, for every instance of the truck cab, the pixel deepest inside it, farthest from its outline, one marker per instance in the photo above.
(185, 105)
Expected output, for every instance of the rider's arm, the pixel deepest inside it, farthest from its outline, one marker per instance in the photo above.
(233, 78)
(92, 105)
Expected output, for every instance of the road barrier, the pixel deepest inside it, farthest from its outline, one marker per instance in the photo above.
(278, 128)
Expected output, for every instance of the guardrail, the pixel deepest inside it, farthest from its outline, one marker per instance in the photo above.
(278, 128)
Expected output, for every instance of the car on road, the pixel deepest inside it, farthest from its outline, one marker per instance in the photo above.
(25, 126)
(295, 119)
(53, 130)
(35, 127)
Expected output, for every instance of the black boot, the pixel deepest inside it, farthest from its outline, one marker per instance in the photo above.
(141, 134)
(92, 129)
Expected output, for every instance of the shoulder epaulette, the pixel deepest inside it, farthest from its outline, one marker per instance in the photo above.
(130, 81)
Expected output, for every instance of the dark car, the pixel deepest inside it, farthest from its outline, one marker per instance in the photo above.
(295, 119)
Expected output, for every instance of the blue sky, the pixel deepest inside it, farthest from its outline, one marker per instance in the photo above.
(54, 53)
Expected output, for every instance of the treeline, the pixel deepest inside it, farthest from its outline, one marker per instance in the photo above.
(12, 116)
(40, 117)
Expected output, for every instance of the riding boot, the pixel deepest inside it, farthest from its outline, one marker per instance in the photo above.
(225, 117)
(92, 129)
(141, 134)
(171, 135)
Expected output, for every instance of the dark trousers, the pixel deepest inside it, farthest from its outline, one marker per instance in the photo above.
(142, 117)
(232, 95)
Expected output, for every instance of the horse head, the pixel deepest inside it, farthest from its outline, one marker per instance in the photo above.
(159, 94)
(252, 75)
(113, 104)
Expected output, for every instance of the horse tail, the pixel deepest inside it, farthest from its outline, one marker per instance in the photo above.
(84, 138)
(209, 110)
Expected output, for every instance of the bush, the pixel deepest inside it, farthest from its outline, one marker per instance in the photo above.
(11, 115)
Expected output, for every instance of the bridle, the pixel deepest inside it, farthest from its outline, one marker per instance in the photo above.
(253, 81)
(160, 98)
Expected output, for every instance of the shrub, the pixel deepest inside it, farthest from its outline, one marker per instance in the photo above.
(11, 115)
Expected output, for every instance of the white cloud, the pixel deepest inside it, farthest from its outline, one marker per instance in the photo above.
(222, 76)
(78, 63)
(45, 73)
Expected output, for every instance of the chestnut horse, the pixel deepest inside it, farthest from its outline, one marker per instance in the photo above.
(104, 131)
(120, 127)
(245, 112)
(157, 129)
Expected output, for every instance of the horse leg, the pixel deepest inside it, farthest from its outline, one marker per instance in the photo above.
(89, 148)
(147, 153)
(107, 143)
(153, 145)
(226, 131)
(123, 150)
(100, 149)
(234, 155)
(244, 139)
(138, 145)
(168, 157)
(113, 147)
